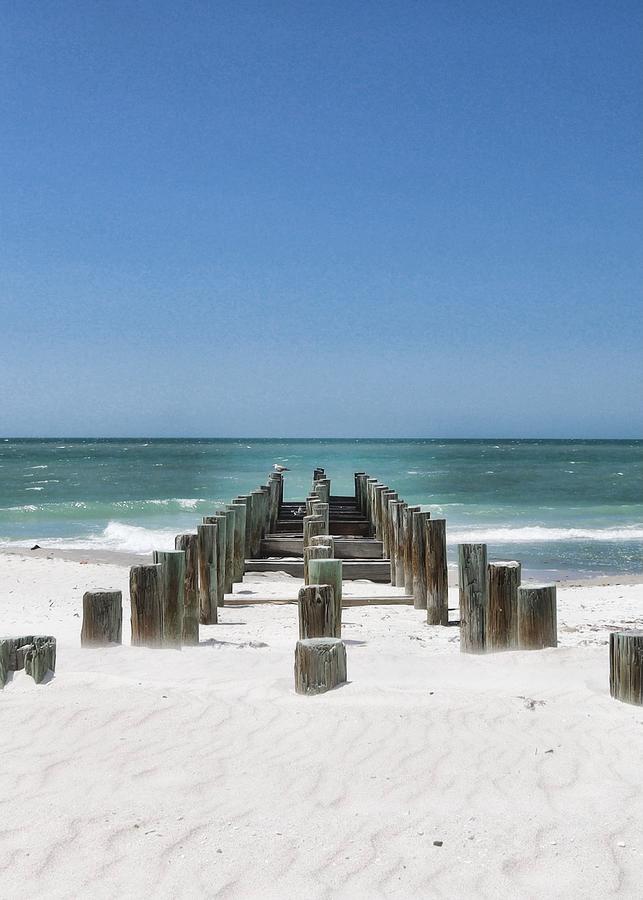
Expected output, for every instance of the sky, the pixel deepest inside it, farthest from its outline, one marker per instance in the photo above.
(395, 219)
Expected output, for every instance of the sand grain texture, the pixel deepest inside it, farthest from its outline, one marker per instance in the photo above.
(201, 773)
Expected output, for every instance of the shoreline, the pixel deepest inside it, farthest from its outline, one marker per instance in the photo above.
(124, 559)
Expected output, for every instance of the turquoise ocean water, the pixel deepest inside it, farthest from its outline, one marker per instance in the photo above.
(565, 507)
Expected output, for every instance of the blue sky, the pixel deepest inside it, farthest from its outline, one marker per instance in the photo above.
(335, 219)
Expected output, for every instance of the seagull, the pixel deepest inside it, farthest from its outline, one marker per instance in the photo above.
(280, 469)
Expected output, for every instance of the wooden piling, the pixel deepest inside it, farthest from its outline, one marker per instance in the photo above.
(418, 544)
(247, 548)
(208, 573)
(189, 544)
(323, 510)
(393, 508)
(264, 521)
(145, 585)
(320, 665)
(388, 497)
(472, 567)
(329, 571)
(377, 502)
(322, 540)
(437, 578)
(40, 657)
(230, 513)
(370, 503)
(36, 654)
(221, 521)
(360, 480)
(316, 611)
(275, 483)
(239, 540)
(315, 551)
(626, 666)
(102, 618)
(322, 489)
(312, 525)
(172, 564)
(407, 523)
(503, 581)
(398, 573)
(258, 509)
(537, 619)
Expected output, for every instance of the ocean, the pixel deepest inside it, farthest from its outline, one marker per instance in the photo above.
(564, 508)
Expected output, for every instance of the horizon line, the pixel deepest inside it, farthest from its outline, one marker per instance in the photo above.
(142, 437)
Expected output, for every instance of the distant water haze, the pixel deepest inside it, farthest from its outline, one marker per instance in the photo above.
(571, 507)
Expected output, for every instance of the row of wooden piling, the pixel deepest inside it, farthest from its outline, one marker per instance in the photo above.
(496, 611)
(415, 544)
(184, 587)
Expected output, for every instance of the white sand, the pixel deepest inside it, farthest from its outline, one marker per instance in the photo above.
(140, 773)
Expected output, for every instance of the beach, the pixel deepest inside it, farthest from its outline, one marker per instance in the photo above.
(430, 773)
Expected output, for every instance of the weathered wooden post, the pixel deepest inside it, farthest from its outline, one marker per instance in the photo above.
(265, 518)
(377, 501)
(393, 509)
(360, 478)
(322, 489)
(626, 666)
(239, 539)
(230, 513)
(220, 520)
(370, 503)
(537, 620)
(329, 571)
(275, 483)
(145, 586)
(40, 657)
(323, 540)
(503, 581)
(316, 611)
(102, 618)
(36, 654)
(398, 542)
(437, 577)
(388, 497)
(315, 551)
(247, 548)
(312, 525)
(320, 665)
(472, 566)
(208, 573)
(189, 544)
(407, 522)
(172, 595)
(418, 542)
(323, 510)
(258, 507)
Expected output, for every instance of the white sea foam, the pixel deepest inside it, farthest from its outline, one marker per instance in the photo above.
(534, 534)
(117, 536)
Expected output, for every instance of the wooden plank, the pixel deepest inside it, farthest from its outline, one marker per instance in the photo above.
(239, 600)
(374, 569)
(345, 548)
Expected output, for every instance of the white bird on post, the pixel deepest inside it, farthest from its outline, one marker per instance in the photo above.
(280, 469)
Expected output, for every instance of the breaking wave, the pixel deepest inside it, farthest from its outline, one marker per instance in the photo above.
(534, 534)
